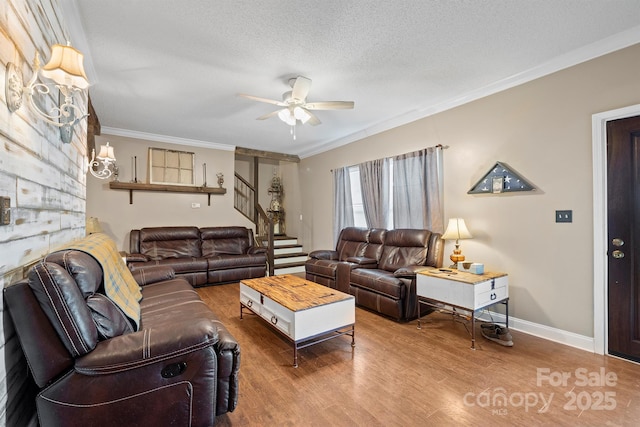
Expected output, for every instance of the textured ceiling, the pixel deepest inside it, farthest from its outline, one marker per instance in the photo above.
(173, 68)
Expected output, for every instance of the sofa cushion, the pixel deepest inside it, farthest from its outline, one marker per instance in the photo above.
(379, 281)
(84, 269)
(170, 242)
(321, 267)
(109, 319)
(223, 262)
(225, 241)
(352, 242)
(65, 307)
(404, 247)
(179, 265)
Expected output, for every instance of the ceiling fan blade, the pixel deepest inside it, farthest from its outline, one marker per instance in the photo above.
(301, 88)
(329, 105)
(313, 120)
(268, 101)
(268, 115)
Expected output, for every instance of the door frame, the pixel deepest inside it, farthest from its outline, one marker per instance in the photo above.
(600, 243)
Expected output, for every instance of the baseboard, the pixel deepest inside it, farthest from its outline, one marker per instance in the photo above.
(542, 331)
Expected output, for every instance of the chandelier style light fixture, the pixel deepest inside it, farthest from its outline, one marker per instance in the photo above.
(104, 165)
(66, 70)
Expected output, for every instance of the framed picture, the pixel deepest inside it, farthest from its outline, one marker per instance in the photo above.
(171, 167)
(497, 184)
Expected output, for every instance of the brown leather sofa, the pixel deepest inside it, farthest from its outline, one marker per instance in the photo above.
(179, 368)
(378, 267)
(322, 265)
(202, 256)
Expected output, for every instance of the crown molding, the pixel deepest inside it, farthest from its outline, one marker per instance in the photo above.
(594, 50)
(168, 139)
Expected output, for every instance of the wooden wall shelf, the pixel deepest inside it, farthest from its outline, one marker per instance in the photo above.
(140, 186)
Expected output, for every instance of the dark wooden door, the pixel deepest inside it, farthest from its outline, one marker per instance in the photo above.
(623, 206)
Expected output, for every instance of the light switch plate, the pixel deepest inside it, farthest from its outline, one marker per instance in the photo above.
(564, 216)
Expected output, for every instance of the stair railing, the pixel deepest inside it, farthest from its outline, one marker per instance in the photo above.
(245, 202)
(264, 228)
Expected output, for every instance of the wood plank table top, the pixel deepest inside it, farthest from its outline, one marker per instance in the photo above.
(461, 276)
(295, 293)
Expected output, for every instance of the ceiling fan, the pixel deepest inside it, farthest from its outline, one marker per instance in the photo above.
(295, 106)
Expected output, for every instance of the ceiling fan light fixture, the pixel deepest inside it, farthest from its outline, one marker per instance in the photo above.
(301, 114)
(287, 116)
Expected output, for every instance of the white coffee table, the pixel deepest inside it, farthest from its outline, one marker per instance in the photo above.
(305, 312)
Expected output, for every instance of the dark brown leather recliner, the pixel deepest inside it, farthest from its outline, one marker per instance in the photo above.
(322, 265)
(179, 368)
(388, 286)
(202, 256)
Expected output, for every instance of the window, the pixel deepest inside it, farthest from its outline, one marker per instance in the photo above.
(359, 220)
(359, 217)
(171, 167)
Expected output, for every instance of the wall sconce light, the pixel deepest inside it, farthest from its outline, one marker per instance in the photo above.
(456, 230)
(66, 70)
(104, 165)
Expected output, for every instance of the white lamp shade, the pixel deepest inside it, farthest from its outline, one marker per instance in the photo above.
(106, 153)
(66, 67)
(456, 229)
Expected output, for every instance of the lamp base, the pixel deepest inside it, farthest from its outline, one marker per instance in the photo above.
(456, 257)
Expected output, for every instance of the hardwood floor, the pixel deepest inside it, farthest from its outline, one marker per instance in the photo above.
(398, 375)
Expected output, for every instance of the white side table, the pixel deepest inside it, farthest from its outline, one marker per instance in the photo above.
(462, 290)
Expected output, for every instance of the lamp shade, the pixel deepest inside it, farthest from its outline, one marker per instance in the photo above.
(106, 153)
(286, 116)
(66, 67)
(456, 229)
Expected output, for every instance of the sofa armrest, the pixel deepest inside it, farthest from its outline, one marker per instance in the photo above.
(324, 254)
(148, 346)
(409, 271)
(136, 258)
(252, 250)
(153, 274)
(362, 262)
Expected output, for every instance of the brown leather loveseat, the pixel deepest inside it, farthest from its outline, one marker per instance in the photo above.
(378, 267)
(95, 366)
(202, 256)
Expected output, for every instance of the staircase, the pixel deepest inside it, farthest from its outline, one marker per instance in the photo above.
(288, 257)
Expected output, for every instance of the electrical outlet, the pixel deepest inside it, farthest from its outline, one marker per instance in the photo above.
(564, 216)
(5, 211)
(195, 205)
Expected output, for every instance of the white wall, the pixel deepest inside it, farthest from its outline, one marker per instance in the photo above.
(541, 129)
(150, 209)
(43, 177)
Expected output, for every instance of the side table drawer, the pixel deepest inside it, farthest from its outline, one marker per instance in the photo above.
(491, 297)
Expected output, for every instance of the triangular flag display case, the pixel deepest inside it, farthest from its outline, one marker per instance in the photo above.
(500, 179)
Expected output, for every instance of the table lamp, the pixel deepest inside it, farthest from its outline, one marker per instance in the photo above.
(456, 230)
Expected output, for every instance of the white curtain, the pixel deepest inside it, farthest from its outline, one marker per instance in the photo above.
(417, 190)
(374, 184)
(343, 205)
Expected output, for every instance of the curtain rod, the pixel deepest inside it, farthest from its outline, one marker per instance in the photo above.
(443, 147)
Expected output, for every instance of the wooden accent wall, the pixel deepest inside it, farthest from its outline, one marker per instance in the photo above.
(45, 179)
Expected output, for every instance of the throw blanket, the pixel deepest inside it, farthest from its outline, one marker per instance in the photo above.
(119, 284)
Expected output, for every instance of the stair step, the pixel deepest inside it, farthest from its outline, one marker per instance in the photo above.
(299, 258)
(287, 249)
(285, 241)
(288, 269)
